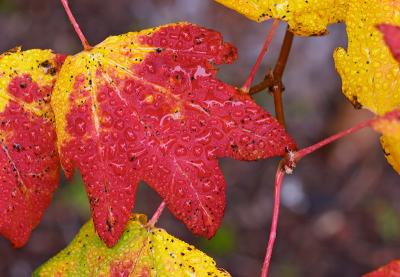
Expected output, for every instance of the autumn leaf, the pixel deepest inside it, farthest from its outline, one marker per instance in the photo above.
(392, 269)
(391, 35)
(391, 138)
(147, 106)
(29, 164)
(305, 18)
(141, 251)
(369, 72)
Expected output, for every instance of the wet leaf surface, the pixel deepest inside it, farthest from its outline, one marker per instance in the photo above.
(304, 17)
(29, 163)
(147, 106)
(141, 251)
(368, 70)
(392, 269)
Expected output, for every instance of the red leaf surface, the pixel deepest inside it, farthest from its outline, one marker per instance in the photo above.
(392, 269)
(29, 163)
(391, 35)
(147, 106)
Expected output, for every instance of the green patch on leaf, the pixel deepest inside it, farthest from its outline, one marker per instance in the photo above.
(141, 251)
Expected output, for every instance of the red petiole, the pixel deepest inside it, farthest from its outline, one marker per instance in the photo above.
(75, 24)
(247, 84)
(288, 163)
(157, 214)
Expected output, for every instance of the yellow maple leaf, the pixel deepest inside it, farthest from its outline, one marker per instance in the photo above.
(305, 17)
(141, 251)
(368, 70)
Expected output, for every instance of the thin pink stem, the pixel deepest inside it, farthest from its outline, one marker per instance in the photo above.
(310, 149)
(272, 234)
(393, 115)
(278, 182)
(247, 84)
(75, 24)
(292, 158)
(157, 214)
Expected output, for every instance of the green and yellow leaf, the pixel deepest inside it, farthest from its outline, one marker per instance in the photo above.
(141, 251)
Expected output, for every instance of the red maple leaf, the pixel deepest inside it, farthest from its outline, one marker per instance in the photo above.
(391, 35)
(147, 106)
(392, 269)
(29, 164)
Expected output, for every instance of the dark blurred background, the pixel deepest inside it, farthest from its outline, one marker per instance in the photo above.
(340, 208)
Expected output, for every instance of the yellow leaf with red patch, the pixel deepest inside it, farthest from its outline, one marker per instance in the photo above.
(29, 165)
(141, 251)
(305, 18)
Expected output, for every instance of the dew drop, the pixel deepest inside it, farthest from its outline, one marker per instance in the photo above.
(179, 45)
(119, 112)
(250, 147)
(181, 192)
(14, 108)
(238, 113)
(193, 128)
(106, 120)
(163, 170)
(163, 42)
(150, 68)
(207, 187)
(197, 150)
(211, 153)
(80, 126)
(119, 125)
(229, 125)
(101, 97)
(118, 169)
(252, 110)
(244, 139)
(180, 150)
(129, 86)
(186, 138)
(217, 134)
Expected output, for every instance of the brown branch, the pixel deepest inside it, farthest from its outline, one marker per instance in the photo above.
(273, 80)
(278, 103)
(266, 83)
(284, 54)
